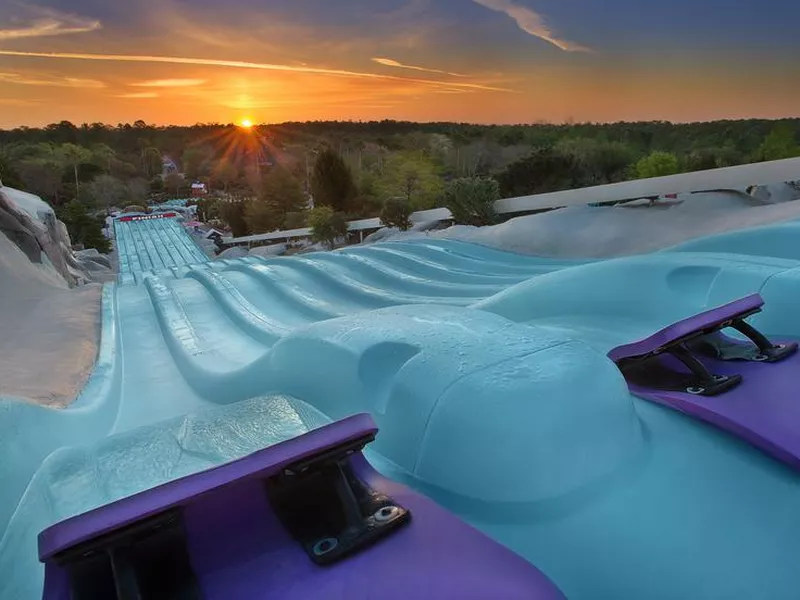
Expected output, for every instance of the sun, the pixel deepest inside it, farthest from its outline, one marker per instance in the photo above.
(246, 123)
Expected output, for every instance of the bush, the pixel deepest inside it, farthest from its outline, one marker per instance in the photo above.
(295, 220)
(232, 213)
(657, 164)
(396, 213)
(471, 200)
(326, 225)
(83, 228)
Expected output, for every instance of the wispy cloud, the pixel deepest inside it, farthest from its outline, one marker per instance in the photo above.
(46, 22)
(73, 82)
(245, 65)
(170, 83)
(18, 102)
(531, 22)
(136, 95)
(388, 62)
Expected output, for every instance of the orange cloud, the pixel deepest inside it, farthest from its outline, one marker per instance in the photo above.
(388, 62)
(243, 65)
(531, 22)
(75, 82)
(139, 95)
(170, 83)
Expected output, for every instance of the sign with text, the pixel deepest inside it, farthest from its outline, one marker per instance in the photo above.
(148, 217)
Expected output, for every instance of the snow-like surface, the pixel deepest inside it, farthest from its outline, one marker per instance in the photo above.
(48, 333)
(271, 250)
(33, 205)
(485, 370)
(603, 232)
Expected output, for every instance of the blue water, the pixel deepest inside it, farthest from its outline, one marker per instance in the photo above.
(486, 373)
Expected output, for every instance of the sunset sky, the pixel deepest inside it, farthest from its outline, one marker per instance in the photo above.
(484, 61)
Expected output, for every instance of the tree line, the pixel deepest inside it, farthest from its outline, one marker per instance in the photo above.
(264, 179)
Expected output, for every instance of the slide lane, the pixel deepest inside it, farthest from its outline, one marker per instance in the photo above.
(472, 359)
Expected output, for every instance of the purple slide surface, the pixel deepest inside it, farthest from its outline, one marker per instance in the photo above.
(239, 549)
(764, 410)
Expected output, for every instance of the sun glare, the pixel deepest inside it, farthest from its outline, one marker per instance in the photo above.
(246, 123)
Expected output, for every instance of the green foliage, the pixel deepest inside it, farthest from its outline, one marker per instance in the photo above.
(412, 176)
(326, 225)
(233, 213)
(106, 191)
(225, 173)
(41, 176)
(657, 164)
(173, 182)
(208, 209)
(471, 200)
(780, 143)
(596, 162)
(332, 181)
(137, 190)
(543, 170)
(262, 216)
(396, 213)
(152, 162)
(8, 176)
(281, 188)
(70, 156)
(197, 161)
(295, 220)
(83, 228)
(280, 193)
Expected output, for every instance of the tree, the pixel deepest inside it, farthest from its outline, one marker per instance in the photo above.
(280, 193)
(596, 162)
(208, 209)
(543, 170)
(233, 214)
(102, 156)
(295, 220)
(105, 191)
(412, 176)
(8, 176)
(136, 190)
(174, 181)
(326, 225)
(152, 162)
(471, 200)
(332, 181)
(396, 213)
(226, 173)
(72, 155)
(83, 228)
(196, 161)
(41, 176)
(281, 188)
(657, 164)
(780, 143)
(262, 216)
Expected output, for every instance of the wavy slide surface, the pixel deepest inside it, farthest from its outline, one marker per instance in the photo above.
(486, 372)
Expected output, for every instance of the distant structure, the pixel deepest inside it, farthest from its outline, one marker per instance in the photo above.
(199, 189)
(168, 166)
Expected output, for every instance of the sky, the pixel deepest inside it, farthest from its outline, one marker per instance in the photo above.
(480, 61)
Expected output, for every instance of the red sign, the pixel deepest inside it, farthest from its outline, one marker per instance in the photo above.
(148, 217)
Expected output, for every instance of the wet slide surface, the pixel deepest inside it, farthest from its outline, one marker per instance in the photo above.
(486, 373)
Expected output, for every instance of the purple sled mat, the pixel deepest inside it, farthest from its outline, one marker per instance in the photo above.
(240, 550)
(763, 410)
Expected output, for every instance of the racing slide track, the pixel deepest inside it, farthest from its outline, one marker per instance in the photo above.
(487, 374)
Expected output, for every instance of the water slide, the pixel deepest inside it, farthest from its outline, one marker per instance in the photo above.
(491, 379)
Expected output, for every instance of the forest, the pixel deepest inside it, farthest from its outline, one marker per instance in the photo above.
(261, 178)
